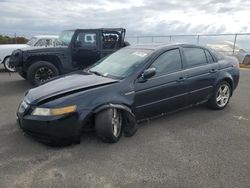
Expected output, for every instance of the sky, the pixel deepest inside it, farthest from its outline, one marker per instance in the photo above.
(139, 17)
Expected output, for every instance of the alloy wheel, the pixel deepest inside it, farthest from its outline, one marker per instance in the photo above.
(223, 95)
(116, 122)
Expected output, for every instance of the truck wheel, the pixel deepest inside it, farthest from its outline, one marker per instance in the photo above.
(41, 71)
(8, 66)
(108, 125)
(221, 96)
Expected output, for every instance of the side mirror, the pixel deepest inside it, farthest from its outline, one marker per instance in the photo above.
(148, 73)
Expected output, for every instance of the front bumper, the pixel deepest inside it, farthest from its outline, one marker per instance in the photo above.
(49, 129)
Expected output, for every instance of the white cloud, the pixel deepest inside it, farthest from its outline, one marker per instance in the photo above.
(157, 17)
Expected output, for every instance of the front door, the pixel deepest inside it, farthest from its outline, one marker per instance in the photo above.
(166, 91)
(85, 50)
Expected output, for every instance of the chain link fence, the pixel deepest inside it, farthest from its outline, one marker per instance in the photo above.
(227, 43)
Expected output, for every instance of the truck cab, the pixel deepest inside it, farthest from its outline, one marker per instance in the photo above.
(75, 49)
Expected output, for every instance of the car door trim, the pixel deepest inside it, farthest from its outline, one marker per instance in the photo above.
(200, 89)
(162, 100)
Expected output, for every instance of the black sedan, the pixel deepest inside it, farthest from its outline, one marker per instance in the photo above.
(132, 84)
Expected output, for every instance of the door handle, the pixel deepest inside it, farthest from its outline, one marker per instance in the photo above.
(181, 79)
(213, 70)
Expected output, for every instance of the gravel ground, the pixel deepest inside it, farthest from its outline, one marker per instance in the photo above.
(197, 147)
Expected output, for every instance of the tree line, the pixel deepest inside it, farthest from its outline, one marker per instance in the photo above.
(12, 40)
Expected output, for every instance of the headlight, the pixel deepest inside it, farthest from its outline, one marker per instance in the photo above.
(53, 111)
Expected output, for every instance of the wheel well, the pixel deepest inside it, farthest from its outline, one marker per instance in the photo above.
(5, 58)
(52, 59)
(230, 82)
(89, 122)
(126, 112)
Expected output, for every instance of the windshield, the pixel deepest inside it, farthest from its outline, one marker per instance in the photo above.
(32, 41)
(121, 63)
(65, 38)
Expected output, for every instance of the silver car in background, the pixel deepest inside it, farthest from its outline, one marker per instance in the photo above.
(36, 41)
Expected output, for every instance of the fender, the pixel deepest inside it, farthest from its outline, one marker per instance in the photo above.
(130, 127)
(226, 77)
(111, 105)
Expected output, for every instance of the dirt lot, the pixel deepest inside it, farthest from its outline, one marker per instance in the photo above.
(192, 148)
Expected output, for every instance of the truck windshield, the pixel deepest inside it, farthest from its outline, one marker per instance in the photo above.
(32, 41)
(65, 38)
(121, 63)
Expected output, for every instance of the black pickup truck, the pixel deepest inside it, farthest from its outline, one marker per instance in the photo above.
(75, 49)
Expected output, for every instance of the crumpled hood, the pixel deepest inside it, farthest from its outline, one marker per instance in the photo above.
(66, 85)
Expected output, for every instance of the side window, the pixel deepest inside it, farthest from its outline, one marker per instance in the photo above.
(86, 40)
(110, 40)
(209, 57)
(195, 56)
(168, 62)
(44, 42)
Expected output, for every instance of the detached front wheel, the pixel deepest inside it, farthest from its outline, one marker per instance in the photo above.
(108, 125)
(41, 72)
(8, 66)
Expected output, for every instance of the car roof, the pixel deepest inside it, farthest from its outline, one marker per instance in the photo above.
(157, 46)
(46, 36)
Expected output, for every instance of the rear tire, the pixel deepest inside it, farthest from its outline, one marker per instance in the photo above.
(221, 96)
(8, 66)
(41, 71)
(108, 125)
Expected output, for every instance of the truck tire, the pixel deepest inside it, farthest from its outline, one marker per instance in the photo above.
(8, 66)
(41, 71)
(108, 125)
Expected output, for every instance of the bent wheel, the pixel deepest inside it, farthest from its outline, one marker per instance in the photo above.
(108, 124)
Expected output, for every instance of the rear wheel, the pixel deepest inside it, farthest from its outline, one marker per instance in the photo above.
(221, 96)
(108, 124)
(8, 65)
(41, 72)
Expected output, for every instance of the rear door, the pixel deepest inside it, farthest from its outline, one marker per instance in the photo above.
(85, 49)
(202, 72)
(166, 91)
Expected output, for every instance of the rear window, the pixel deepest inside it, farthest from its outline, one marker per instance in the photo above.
(218, 55)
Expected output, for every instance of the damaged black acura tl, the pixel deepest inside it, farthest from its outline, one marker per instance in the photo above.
(132, 84)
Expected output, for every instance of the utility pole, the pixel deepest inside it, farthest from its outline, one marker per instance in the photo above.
(15, 39)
